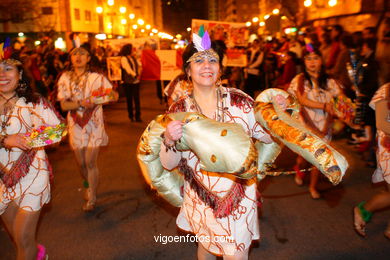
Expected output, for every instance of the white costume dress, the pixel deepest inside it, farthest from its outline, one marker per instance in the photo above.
(89, 131)
(32, 190)
(235, 232)
(382, 172)
(318, 117)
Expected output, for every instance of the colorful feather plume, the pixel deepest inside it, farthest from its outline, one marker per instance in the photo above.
(309, 47)
(5, 49)
(201, 40)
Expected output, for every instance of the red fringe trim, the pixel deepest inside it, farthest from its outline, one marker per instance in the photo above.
(222, 207)
(84, 119)
(18, 170)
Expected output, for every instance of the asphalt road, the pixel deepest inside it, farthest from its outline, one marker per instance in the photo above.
(129, 216)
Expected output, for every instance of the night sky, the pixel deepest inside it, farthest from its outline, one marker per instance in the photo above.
(177, 14)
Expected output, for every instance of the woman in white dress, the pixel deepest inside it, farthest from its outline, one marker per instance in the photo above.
(228, 233)
(314, 90)
(24, 171)
(363, 212)
(76, 88)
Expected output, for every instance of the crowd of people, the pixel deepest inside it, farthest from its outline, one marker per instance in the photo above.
(314, 67)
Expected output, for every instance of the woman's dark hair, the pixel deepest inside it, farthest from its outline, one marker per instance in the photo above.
(24, 89)
(190, 50)
(127, 49)
(323, 76)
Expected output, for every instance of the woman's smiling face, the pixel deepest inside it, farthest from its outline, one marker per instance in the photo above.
(204, 71)
(9, 78)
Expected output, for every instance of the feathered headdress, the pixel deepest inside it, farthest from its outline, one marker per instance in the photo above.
(201, 40)
(309, 47)
(202, 44)
(6, 53)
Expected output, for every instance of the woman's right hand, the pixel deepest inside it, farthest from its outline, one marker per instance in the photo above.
(173, 132)
(87, 103)
(17, 140)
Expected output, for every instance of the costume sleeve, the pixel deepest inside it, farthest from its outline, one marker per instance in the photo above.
(126, 66)
(63, 87)
(44, 113)
(293, 88)
(335, 88)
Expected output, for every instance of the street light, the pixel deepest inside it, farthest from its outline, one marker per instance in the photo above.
(99, 9)
(332, 3)
(135, 27)
(123, 21)
(255, 19)
(275, 11)
(122, 9)
(131, 16)
(248, 24)
(262, 24)
(307, 3)
(266, 16)
(188, 29)
(148, 27)
(140, 21)
(110, 2)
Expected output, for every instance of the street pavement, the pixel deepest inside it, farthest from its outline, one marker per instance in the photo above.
(130, 217)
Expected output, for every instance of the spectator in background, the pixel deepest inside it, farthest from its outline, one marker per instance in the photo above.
(335, 34)
(367, 69)
(325, 47)
(289, 70)
(253, 69)
(131, 72)
(339, 70)
(357, 41)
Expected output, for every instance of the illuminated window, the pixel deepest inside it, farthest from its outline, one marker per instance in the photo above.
(77, 14)
(47, 10)
(87, 15)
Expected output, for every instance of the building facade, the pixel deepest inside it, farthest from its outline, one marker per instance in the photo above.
(87, 18)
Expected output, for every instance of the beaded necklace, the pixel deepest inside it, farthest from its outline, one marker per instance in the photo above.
(6, 111)
(80, 82)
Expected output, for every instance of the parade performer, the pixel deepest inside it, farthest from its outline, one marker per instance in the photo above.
(314, 90)
(82, 93)
(201, 156)
(24, 167)
(363, 212)
(228, 233)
